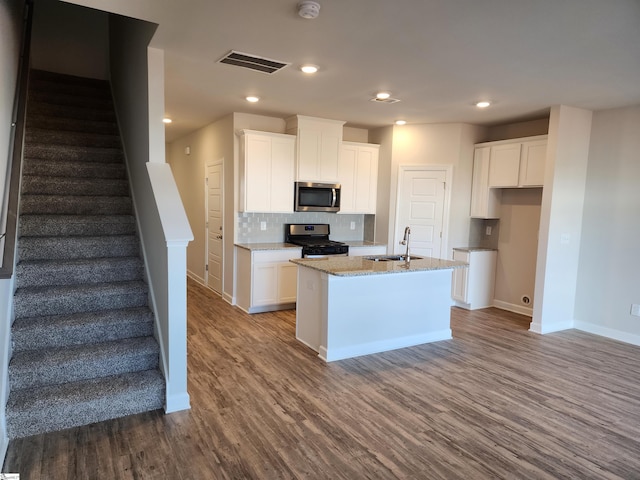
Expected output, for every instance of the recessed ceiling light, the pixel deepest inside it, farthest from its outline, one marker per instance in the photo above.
(383, 95)
(253, 99)
(166, 120)
(401, 122)
(483, 104)
(309, 68)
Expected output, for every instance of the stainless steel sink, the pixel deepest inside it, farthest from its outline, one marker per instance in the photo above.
(392, 258)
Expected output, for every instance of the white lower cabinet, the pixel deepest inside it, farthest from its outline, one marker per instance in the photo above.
(473, 287)
(266, 280)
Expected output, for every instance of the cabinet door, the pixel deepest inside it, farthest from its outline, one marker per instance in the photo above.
(504, 165)
(264, 284)
(257, 173)
(532, 163)
(281, 175)
(485, 202)
(328, 156)
(347, 178)
(366, 180)
(308, 155)
(287, 282)
(459, 279)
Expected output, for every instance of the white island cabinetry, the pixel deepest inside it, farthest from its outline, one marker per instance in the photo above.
(266, 279)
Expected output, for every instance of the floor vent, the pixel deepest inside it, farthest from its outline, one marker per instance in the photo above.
(253, 62)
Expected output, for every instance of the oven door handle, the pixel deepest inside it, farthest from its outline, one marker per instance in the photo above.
(335, 197)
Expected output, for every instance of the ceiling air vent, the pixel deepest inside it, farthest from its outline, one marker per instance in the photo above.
(252, 62)
(385, 100)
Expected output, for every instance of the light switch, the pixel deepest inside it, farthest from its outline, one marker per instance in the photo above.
(565, 238)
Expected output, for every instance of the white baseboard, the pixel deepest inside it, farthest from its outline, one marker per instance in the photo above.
(177, 403)
(511, 307)
(608, 333)
(230, 299)
(550, 327)
(196, 278)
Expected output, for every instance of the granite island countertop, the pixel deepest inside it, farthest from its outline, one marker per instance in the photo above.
(267, 246)
(358, 266)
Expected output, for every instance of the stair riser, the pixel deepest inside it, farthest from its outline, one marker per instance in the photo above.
(75, 273)
(83, 369)
(65, 111)
(56, 408)
(39, 185)
(60, 205)
(47, 87)
(58, 225)
(81, 329)
(39, 167)
(72, 125)
(64, 248)
(37, 304)
(72, 138)
(100, 103)
(71, 153)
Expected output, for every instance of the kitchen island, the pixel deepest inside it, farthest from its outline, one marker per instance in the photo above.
(352, 306)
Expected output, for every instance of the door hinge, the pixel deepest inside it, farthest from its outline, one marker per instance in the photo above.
(206, 225)
(440, 234)
(206, 181)
(206, 268)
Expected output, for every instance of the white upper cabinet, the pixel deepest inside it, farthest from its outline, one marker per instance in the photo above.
(485, 201)
(358, 177)
(517, 163)
(266, 171)
(317, 148)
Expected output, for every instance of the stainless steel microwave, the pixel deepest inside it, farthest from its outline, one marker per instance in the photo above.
(317, 197)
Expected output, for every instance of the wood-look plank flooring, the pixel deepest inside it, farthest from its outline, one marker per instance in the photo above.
(494, 402)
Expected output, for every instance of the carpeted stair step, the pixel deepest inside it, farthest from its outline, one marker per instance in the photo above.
(38, 135)
(69, 124)
(81, 328)
(69, 299)
(48, 366)
(70, 99)
(73, 153)
(77, 169)
(65, 111)
(42, 273)
(56, 407)
(58, 185)
(89, 225)
(59, 248)
(75, 205)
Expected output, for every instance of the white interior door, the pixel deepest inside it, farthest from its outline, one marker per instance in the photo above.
(214, 183)
(422, 207)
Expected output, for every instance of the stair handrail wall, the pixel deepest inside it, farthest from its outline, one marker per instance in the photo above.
(11, 200)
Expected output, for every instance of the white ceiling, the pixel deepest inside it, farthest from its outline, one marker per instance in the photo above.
(437, 56)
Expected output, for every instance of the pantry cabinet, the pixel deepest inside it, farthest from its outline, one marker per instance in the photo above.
(266, 171)
(473, 287)
(318, 143)
(358, 177)
(266, 279)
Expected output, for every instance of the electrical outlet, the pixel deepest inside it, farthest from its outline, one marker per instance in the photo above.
(353, 225)
(263, 225)
(565, 238)
(635, 310)
(488, 230)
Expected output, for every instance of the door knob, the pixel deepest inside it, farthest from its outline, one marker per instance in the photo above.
(219, 237)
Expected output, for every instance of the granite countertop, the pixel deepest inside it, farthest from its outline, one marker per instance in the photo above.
(363, 243)
(267, 246)
(475, 249)
(358, 266)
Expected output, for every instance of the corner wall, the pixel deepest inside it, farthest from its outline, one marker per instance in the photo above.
(609, 263)
(10, 38)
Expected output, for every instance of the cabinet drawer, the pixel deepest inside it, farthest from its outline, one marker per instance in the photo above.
(277, 255)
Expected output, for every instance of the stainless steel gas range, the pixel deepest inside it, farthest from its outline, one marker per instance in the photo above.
(314, 240)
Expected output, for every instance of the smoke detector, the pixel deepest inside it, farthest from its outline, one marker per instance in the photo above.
(308, 9)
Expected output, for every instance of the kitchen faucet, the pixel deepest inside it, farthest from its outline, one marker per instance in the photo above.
(405, 241)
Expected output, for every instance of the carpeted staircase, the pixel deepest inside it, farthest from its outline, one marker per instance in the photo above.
(83, 345)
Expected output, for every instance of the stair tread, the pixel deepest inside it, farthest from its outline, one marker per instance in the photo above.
(99, 288)
(86, 153)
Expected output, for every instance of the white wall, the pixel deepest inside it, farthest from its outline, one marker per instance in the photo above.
(10, 38)
(609, 267)
(429, 144)
(517, 248)
(164, 231)
(70, 39)
(561, 219)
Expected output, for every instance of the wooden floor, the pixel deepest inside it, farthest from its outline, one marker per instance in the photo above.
(494, 402)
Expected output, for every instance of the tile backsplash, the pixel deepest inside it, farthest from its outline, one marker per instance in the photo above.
(249, 231)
